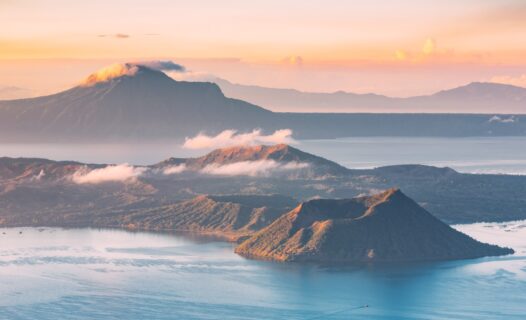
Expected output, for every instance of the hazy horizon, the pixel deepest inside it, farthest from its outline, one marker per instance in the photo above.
(418, 48)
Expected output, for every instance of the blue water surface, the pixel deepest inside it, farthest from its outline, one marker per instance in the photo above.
(51, 273)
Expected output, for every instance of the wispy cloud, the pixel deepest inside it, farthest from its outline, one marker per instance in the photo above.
(116, 36)
(498, 119)
(429, 47)
(193, 76)
(174, 169)
(163, 65)
(401, 54)
(229, 138)
(253, 168)
(112, 173)
(429, 50)
(293, 60)
(111, 72)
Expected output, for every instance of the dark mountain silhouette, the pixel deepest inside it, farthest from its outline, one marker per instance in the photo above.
(385, 227)
(126, 101)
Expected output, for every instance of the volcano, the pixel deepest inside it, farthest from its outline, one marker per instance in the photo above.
(381, 228)
(126, 101)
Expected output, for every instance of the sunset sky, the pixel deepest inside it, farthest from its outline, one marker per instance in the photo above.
(404, 48)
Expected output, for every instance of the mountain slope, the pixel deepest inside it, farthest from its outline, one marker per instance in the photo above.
(137, 102)
(476, 97)
(385, 227)
(34, 186)
(291, 100)
(279, 154)
(132, 102)
(231, 216)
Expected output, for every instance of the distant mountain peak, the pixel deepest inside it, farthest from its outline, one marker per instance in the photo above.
(115, 71)
(484, 90)
(279, 152)
(348, 208)
(277, 157)
(259, 151)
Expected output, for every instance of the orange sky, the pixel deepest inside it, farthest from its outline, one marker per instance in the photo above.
(330, 39)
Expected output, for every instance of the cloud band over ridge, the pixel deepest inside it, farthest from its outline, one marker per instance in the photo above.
(112, 173)
(228, 138)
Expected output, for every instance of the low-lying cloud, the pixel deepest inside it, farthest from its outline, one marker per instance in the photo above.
(112, 173)
(193, 76)
(229, 138)
(111, 72)
(174, 169)
(163, 65)
(253, 168)
(498, 119)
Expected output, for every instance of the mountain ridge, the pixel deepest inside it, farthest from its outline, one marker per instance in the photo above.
(292, 100)
(279, 153)
(34, 186)
(147, 105)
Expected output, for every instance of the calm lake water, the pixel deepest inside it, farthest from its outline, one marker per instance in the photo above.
(476, 155)
(50, 273)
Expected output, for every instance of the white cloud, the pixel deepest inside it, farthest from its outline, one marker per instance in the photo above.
(163, 65)
(39, 176)
(111, 173)
(130, 69)
(252, 168)
(498, 119)
(174, 169)
(192, 76)
(233, 138)
(519, 81)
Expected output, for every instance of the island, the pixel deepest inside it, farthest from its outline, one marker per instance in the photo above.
(386, 227)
